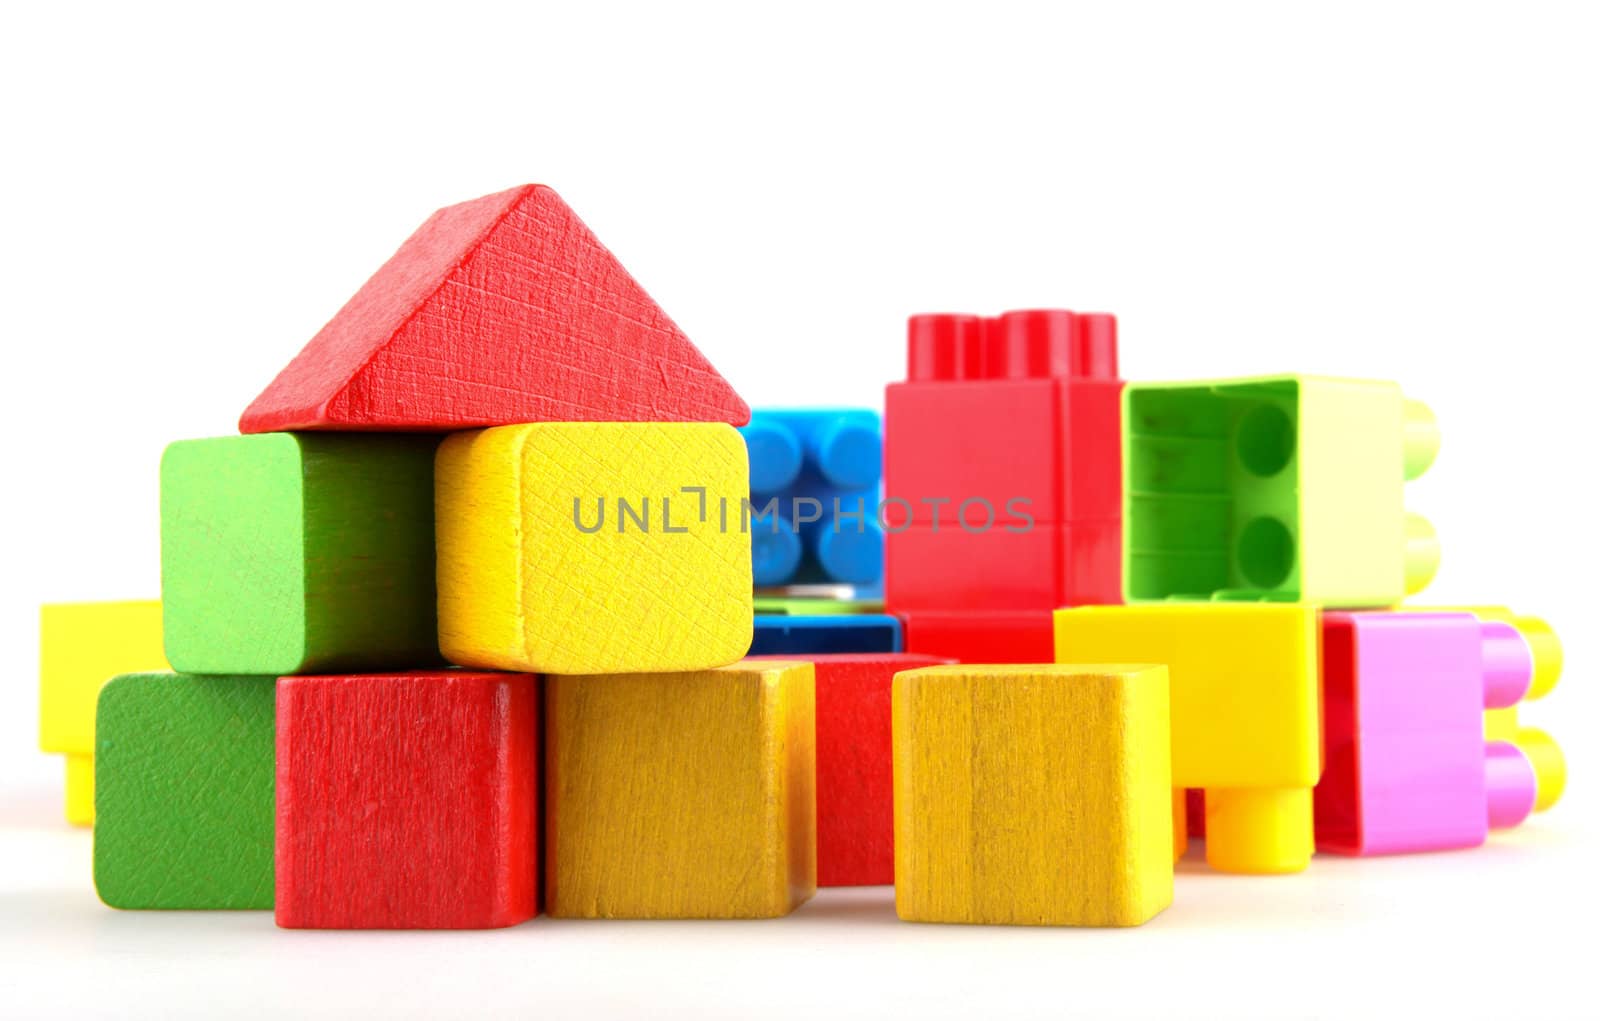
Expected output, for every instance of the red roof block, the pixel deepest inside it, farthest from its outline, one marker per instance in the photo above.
(501, 310)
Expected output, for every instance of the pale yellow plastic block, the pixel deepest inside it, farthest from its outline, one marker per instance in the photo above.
(681, 795)
(80, 790)
(82, 646)
(1032, 795)
(1246, 712)
(588, 548)
(1501, 724)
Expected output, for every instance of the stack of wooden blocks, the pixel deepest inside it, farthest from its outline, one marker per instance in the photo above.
(462, 623)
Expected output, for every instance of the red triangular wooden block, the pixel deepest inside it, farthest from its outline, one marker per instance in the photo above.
(500, 310)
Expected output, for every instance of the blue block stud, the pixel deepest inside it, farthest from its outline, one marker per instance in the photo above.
(824, 467)
(783, 635)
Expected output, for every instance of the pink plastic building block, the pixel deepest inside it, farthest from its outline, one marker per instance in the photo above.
(1407, 766)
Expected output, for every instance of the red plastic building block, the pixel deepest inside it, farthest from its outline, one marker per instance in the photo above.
(855, 764)
(498, 311)
(1022, 636)
(407, 801)
(1003, 464)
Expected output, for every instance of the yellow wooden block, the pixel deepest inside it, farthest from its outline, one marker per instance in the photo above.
(82, 646)
(1246, 714)
(687, 795)
(593, 547)
(1032, 795)
(80, 790)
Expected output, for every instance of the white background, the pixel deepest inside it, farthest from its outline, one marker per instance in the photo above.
(1393, 190)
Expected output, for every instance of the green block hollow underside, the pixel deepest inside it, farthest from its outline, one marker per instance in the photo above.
(184, 792)
(1213, 491)
(298, 553)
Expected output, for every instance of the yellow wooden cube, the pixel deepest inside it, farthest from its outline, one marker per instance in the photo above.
(82, 646)
(1032, 795)
(594, 547)
(681, 795)
(1246, 714)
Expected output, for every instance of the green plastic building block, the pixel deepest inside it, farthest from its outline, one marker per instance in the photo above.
(183, 775)
(286, 553)
(1286, 488)
(810, 607)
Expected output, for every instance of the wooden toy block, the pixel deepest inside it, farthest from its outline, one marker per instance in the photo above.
(1285, 488)
(1032, 795)
(819, 471)
(286, 553)
(498, 311)
(408, 801)
(1006, 436)
(978, 636)
(588, 547)
(1246, 721)
(81, 647)
(792, 635)
(183, 792)
(855, 769)
(1408, 768)
(681, 795)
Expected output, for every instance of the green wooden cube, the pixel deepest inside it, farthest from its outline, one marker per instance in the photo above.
(183, 799)
(290, 553)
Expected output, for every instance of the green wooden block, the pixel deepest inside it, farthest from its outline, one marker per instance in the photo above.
(811, 607)
(183, 775)
(289, 553)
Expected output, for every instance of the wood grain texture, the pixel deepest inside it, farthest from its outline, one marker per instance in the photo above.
(287, 554)
(685, 795)
(81, 647)
(855, 765)
(523, 587)
(501, 310)
(1032, 795)
(183, 792)
(408, 801)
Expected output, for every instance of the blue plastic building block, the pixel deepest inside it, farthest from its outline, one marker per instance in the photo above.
(823, 467)
(783, 635)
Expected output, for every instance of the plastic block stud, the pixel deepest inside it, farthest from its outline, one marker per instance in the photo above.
(681, 795)
(814, 485)
(1002, 464)
(183, 792)
(498, 311)
(408, 801)
(81, 647)
(593, 547)
(1245, 714)
(1032, 795)
(291, 553)
(1287, 488)
(1408, 768)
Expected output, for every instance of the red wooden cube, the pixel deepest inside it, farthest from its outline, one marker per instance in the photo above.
(855, 772)
(407, 801)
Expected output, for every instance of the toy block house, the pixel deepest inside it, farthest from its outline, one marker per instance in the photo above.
(1002, 479)
(341, 547)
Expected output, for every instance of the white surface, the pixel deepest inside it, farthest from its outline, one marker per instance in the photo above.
(1388, 190)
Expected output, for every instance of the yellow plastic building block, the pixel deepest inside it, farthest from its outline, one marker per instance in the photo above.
(81, 647)
(1246, 714)
(1281, 488)
(687, 795)
(1032, 795)
(592, 548)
